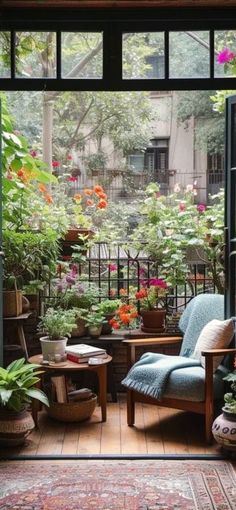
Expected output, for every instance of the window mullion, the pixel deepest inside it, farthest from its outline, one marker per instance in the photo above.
(167, 55)
(13, 55)
(58, 54)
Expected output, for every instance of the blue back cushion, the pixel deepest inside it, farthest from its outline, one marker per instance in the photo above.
(201, 310)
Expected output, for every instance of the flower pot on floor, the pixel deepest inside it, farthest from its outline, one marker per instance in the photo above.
(15, 427)
(51, 347)
(224, 430)
(153, 321)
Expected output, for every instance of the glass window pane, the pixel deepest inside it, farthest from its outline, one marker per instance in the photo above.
(5, 50)
(143, 55)
(189, 54)
(82, 55)
(35, 54)
(225, 50)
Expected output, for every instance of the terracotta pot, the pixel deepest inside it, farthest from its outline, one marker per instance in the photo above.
(71, 238)
(224, 430)
(14, 427)
(52, 347)
(153, 320)
(107, 328)
(25, 304)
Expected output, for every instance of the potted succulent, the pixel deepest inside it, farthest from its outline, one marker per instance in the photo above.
(58, 325)
(224, 426)
(94, 321)
(17, 389)
(152, 303)
(108, 308)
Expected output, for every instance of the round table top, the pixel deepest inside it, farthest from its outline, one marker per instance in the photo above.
(68, 365)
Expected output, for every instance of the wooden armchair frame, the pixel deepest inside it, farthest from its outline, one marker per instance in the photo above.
(206, 407)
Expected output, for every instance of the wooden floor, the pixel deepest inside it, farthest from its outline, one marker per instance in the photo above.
(157, 431)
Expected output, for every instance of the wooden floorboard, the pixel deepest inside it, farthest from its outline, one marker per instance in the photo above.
(157, 430)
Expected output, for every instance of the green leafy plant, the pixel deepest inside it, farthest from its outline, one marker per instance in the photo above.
(109, 306)
(94, 318)
(17, 383)
(57, 323)
(230, 398)
(29, 257)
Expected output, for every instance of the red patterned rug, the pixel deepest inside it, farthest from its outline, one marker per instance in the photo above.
(117, 484)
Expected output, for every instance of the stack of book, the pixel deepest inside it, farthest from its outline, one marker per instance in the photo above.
(81, 353)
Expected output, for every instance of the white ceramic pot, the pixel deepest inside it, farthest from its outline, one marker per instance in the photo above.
(52, 347)
(224, 430)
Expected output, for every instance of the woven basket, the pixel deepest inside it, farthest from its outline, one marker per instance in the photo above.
(73, 411)
(12, 303)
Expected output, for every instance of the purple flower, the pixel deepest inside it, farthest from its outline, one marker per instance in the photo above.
(157, 282)
(70, 280)
(201, 208)
(225, 56)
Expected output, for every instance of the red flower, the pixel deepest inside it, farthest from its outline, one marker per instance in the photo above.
(102, 204)
(72, 178)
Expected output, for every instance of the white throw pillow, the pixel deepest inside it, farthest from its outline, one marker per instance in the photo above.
(215, 335)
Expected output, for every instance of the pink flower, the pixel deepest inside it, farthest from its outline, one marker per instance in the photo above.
(33, 153)
(70, 280)
(225, 56)
(69, 157)
(55, 164)
(201, 208)
(157, 282)
(112, 267)
(72, 179)
(157, 194)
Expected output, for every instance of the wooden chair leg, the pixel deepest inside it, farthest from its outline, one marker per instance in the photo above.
(130, 408)
(208, 424)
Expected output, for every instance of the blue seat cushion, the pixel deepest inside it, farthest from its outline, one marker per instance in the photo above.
(189, 384)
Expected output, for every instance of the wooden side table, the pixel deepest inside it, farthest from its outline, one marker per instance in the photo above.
(19, 321)
(69, 367)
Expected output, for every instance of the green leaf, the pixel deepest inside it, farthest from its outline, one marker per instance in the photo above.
(39, 395)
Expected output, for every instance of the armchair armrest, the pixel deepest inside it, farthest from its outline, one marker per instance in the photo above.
(217, 352)
(132, 343)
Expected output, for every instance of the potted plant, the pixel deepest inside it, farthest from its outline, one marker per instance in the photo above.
(224, 426)
(152, 303)
(58, 325)
(108, 308)
(17, 389)
(94, 321)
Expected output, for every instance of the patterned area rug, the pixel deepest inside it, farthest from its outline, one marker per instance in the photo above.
(117, 484)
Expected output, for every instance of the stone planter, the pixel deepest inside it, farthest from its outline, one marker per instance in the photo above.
(15, 427)
(224, 430)
(81, 329)
(94, 330)
(153, 321)
(52, 347)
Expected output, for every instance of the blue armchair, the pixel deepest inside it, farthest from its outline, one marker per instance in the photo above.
(181, 382)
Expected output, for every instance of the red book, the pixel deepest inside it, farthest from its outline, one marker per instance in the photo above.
(76, 359)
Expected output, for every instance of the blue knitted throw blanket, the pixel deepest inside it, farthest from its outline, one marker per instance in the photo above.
(150, 374)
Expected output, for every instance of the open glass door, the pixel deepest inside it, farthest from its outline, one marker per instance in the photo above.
(230, 207)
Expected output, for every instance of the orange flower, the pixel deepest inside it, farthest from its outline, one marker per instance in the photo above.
(102, 195)
(88, 192)
(102, 204)
(89, 202)
(112, 292)
(133, 315)
(77, 196)
(98, 189)
(125, 318)
(142, 293)
(122, 292)
(42, 188)
(48, 198)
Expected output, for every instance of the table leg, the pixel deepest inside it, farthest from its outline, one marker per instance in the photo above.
(102, 379)
(21, 336)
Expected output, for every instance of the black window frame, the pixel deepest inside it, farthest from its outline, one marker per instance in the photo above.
(113, 23)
